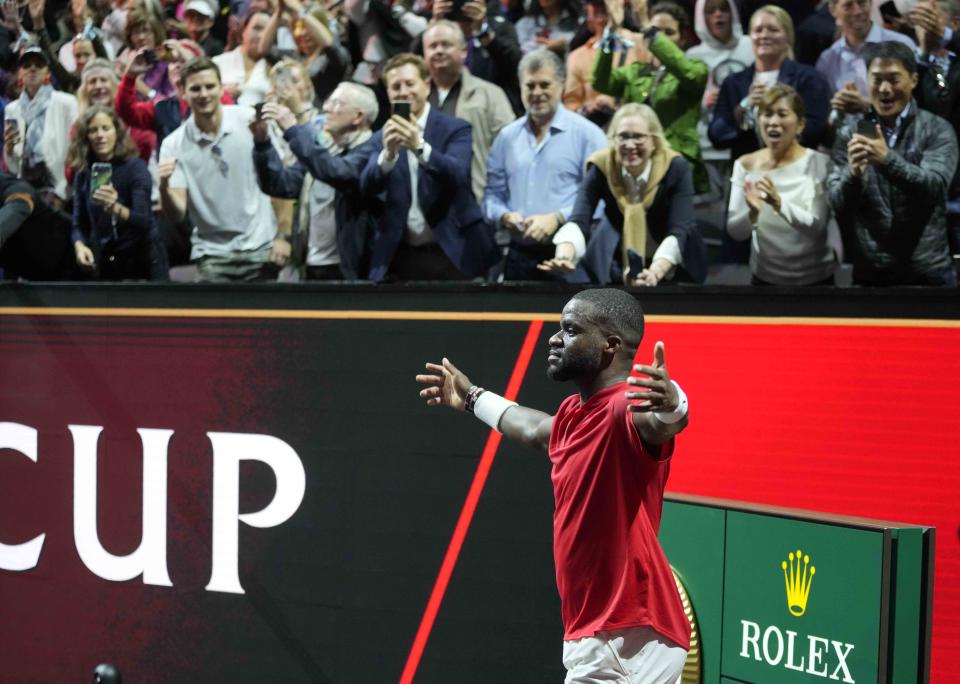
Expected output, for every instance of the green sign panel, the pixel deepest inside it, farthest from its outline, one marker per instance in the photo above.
(802, 601)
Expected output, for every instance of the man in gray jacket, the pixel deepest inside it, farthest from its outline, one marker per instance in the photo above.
(888, 185)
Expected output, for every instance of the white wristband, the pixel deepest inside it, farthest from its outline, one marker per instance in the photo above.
(678, 413)
(490, 408)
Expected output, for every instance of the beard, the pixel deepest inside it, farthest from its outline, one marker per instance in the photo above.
(572, 364)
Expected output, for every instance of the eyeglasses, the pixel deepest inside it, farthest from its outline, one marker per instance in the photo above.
(221, 162)
(632, 137)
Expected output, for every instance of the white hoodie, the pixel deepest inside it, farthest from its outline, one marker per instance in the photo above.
(723, 59)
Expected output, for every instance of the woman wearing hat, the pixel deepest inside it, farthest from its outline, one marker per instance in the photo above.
(36, 125)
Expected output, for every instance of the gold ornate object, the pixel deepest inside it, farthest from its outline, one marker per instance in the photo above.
(693, 667)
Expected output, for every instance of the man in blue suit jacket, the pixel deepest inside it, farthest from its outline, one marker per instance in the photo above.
(433, 229)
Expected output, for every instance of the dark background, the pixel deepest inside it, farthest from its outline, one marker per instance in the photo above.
(815, 413)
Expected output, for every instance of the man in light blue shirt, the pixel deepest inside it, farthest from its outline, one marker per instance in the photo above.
(535, 168)
(842, 64)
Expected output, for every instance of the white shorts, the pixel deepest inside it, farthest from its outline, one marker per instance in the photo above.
(636, 655)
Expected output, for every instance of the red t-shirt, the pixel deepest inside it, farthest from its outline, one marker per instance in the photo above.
(608, 486)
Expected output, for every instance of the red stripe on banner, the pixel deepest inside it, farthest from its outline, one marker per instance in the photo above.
(466, 513)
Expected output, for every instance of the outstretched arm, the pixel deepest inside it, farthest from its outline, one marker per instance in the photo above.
(448, 386)
(661, 409)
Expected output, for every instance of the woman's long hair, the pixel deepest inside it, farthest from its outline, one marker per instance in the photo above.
(79, 155)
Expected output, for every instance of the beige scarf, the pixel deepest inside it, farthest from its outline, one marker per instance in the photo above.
(634, 214)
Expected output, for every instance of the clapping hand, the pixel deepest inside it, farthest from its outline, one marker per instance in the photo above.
(849, 100)
(929, 23)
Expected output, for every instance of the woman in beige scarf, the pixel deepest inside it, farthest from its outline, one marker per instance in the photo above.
(647, 233)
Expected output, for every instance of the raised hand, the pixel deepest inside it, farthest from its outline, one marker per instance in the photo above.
(10, 15)
(36, 9)
(274, 111)
(165, 169)
(615, 12)
(446, 385)
(659, 394)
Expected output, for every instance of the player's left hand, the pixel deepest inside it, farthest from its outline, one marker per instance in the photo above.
(659, 394)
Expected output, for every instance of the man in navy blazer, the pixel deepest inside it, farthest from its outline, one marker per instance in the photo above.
(433, 229)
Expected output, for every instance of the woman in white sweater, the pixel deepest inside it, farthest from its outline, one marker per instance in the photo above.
(777, 198)
(37, 129)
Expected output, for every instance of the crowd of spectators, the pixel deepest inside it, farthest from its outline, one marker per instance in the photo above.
(583, 141)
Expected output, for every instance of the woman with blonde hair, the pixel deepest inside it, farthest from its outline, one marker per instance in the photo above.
(733, 125)
(778, 199)
(647, 234)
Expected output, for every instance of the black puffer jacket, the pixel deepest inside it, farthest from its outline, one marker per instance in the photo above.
(893, 217)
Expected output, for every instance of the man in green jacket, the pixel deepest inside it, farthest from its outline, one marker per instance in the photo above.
(671, 83)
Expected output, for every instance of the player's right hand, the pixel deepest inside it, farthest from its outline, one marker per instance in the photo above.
(446, 386)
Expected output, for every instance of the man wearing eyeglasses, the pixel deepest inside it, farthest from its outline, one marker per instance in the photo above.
(207, 175)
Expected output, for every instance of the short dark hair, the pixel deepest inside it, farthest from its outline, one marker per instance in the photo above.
(195, 66)
(616, 311)
(891, 49)
(675, 11)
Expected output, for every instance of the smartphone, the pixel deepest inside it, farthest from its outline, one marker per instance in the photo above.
(258, 111)
(150, 57)
(12, 124)
(867, 128)
(888, 10)
(402, 109)
(100, 175)
(636, 262)
(456, 11)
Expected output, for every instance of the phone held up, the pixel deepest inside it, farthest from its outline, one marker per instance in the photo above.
(401, 109)
(101, 174)
(867, 128)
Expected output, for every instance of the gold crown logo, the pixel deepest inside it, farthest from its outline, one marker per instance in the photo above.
(798, 579)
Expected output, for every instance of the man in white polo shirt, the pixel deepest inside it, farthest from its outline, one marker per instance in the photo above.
(207, 174)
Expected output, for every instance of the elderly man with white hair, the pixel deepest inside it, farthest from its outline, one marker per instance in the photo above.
(332, 214)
